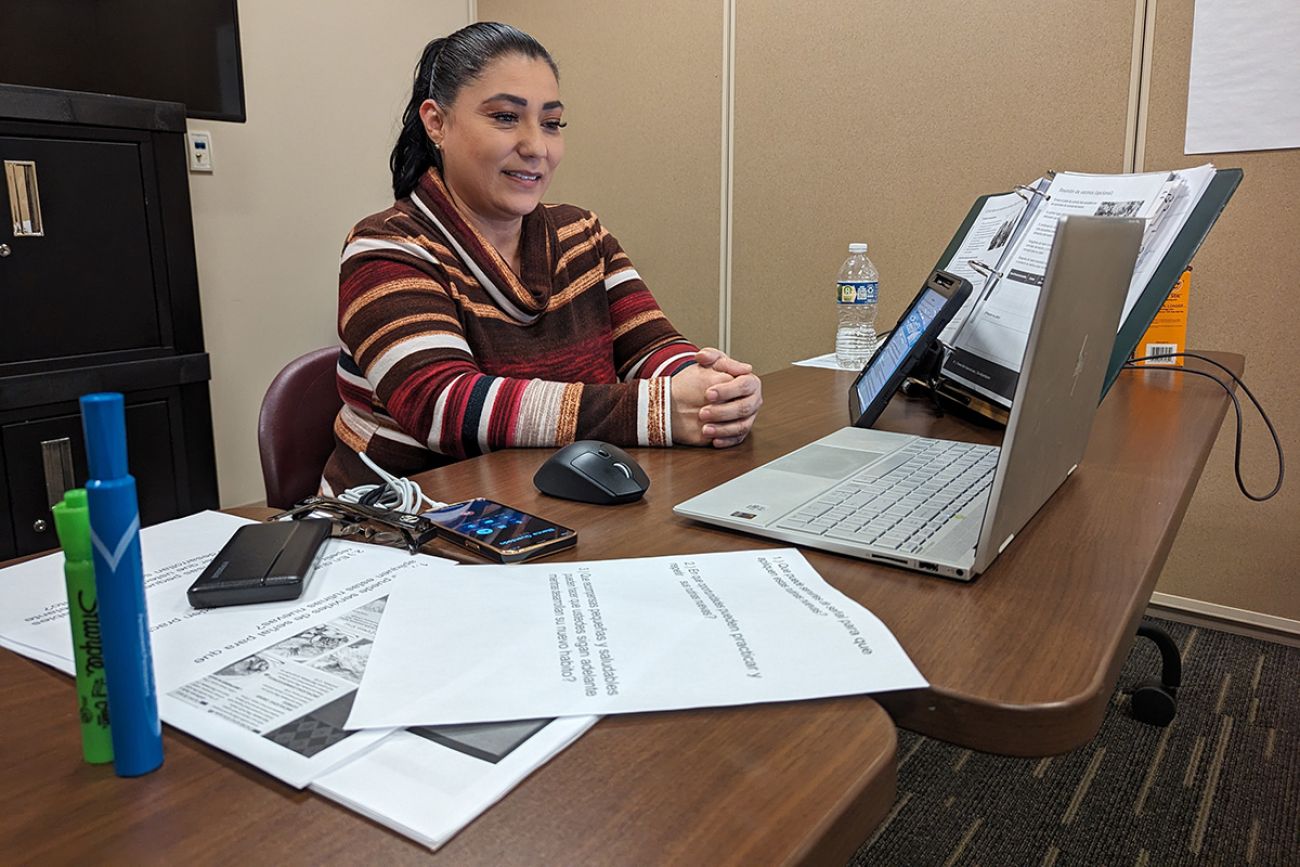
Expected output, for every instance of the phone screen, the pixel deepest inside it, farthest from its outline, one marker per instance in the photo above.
(884, 364)
(917, 331)
(494, 525)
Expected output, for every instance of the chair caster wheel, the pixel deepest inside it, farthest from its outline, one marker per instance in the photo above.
(1153, 703)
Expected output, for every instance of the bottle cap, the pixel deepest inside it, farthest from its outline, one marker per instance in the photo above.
(857, 248)
(103, 418)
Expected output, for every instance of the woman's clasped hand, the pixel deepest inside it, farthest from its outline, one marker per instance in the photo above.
(715, 400)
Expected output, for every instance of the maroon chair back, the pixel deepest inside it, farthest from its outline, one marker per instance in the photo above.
(295, 430)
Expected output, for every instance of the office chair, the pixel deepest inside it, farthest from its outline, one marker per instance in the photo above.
(1154, 700)
(295, 429)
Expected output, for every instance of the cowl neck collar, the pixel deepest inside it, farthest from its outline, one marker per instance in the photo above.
(522, 297)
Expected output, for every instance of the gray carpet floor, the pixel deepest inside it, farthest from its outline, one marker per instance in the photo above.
(1220, 785)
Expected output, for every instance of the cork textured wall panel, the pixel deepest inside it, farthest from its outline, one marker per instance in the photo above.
(1229, 550)
(882, 122)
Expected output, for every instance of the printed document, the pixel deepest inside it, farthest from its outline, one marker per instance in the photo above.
(269, 683)
(994, 325)
(984, 244)
(476, 643)
(428, 782)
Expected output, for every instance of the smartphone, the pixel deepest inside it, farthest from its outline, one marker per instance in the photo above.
(499, 532)
(917, 329)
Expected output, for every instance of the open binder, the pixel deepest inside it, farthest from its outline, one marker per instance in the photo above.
(978, 360)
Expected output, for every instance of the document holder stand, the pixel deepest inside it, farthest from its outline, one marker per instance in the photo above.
(955, 397)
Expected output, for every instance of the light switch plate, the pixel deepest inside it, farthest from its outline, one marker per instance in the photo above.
(200, 142)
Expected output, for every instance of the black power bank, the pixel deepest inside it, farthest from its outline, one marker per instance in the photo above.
(262, 563)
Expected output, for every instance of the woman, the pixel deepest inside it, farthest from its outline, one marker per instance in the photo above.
(473, 317)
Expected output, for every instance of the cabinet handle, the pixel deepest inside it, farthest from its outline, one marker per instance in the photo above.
(56, 455)
(40, 525)
(4, 250)
(24, 198)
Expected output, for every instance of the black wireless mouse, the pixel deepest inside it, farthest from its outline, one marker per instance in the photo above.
(590, 471)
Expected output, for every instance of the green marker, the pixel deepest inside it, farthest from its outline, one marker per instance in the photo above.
(72, 523)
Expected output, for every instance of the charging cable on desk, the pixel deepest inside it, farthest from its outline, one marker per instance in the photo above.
(394, 493)
(387, 513)
(1281, 463)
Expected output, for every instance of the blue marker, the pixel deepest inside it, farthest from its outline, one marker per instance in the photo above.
(119, 581)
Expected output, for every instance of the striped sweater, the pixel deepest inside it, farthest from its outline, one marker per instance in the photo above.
(446, 353)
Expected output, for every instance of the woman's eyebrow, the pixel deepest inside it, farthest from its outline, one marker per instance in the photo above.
(521, 102)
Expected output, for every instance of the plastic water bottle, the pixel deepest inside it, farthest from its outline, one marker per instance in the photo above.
(855, 308)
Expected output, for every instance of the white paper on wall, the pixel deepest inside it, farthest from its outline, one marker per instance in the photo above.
(1243, 91)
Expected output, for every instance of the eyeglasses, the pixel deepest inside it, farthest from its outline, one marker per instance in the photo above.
(366, 523)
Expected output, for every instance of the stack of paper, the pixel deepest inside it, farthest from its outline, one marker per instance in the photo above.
(273, 684)
(385, 686)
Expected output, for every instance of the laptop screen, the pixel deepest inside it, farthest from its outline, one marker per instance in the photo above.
(884, 364)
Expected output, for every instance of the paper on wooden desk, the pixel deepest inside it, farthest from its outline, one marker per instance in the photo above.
(269, 683)
(428, 784)
(481, 643)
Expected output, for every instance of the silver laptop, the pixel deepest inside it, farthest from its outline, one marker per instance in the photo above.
(945, 507)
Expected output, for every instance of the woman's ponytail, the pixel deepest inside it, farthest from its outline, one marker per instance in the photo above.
(414, 153)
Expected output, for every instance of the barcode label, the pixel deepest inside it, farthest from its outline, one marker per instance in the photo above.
(1157, 349)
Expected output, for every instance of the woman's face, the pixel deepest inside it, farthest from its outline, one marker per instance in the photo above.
(501, 138)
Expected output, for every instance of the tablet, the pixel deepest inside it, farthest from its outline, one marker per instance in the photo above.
(917, 330)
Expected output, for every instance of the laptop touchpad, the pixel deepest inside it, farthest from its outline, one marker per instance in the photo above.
(825, 462)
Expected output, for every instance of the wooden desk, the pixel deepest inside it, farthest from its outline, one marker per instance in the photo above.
(1021, 662)
(793, 783)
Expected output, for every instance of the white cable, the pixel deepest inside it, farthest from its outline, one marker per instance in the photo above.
(400, 495)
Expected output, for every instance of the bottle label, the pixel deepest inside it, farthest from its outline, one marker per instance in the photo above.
(856, 292)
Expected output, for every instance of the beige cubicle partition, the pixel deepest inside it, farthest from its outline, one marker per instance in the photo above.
(1244, 298)
(882, 122)
(325, 85)
(737, 148)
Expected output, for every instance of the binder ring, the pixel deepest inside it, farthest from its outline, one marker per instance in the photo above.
(1025, 192)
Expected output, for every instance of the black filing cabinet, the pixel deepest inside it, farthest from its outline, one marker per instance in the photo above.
(98, 292)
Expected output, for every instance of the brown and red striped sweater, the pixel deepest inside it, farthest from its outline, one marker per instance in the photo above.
(446, 353)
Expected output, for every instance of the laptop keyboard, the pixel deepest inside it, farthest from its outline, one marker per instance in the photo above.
(903, 508)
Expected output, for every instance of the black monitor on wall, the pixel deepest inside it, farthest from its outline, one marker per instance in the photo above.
(177, 50)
